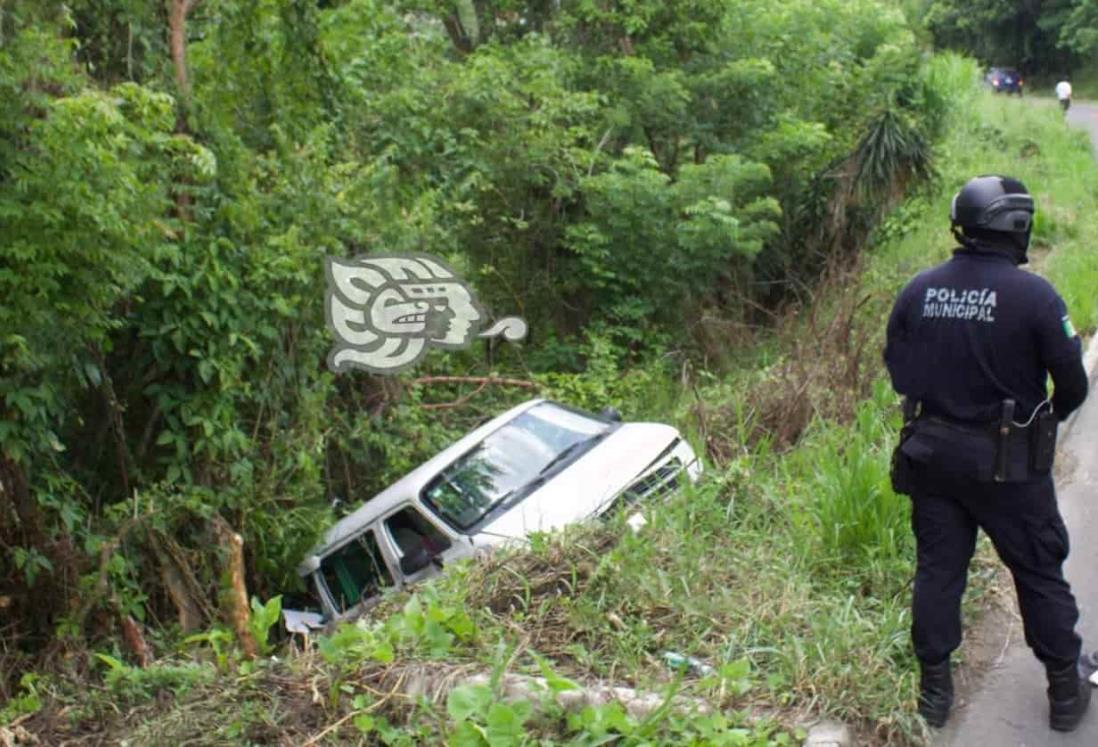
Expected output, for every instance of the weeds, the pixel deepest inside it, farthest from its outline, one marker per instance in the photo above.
(27, 701)
(263, 617)
(135, 684)
(826, 367)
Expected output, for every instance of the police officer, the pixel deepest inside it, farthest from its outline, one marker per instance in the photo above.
(970, 345)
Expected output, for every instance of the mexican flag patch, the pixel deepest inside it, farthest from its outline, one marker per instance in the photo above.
(1069, 328)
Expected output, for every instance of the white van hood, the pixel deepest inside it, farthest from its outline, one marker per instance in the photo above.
(586, 486)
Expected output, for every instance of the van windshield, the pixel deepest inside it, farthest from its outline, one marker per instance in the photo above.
(510, 459)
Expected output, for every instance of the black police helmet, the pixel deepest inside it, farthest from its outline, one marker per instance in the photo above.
(993, 203)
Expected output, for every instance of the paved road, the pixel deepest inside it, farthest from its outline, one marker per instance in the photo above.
(1086, 116)
(1011, 709)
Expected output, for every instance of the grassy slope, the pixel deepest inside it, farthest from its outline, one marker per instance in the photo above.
(787, 570)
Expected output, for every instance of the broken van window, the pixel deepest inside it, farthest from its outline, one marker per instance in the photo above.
(356, 571)
(412, 533)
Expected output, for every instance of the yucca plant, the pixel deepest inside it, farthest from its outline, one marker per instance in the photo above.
(893, 151)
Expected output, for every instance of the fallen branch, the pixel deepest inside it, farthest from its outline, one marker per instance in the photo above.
(172, 573)
(483, 382)
(486, 380)
(332, 727)
(457, 402)
(102, 583)
(14, 734)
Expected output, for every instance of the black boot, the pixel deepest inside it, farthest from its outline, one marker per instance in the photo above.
(1068, 698)
(935, 692)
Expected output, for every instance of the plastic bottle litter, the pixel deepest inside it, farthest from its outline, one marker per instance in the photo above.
(675, 660)
(636, 522)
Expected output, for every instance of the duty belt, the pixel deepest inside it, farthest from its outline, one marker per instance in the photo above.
(1035, 438)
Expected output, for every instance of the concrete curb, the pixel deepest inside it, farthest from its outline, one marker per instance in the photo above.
(829, 734)
(1090, 363)
(1090, 357)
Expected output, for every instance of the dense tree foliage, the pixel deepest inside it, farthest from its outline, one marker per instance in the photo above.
(1080, 29)
(172, 174)
(1036, 36)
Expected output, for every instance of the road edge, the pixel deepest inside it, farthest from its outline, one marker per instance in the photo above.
(1090, 363)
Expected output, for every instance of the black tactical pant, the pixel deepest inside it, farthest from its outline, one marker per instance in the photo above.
(1025, 526)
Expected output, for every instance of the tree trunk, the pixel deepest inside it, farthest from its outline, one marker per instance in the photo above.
(177, 42)
(457, 34)
(118, 424)
(235, 595)
(14, 490)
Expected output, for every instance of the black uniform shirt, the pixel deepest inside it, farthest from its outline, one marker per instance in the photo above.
(975, 330)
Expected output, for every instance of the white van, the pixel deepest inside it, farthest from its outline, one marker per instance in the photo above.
(537, 467)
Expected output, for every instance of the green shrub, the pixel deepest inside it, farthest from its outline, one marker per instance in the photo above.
(132, 685)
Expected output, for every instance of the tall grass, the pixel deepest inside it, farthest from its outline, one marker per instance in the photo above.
(851, 510)
(951, 82)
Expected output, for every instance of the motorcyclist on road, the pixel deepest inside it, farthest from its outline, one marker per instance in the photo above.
(1063, 94)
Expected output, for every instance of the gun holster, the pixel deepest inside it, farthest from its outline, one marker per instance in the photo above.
(902, 470)
(1024, 451)
(1042, 443)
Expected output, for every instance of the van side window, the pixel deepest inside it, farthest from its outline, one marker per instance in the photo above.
(413, 534)
(356, 571)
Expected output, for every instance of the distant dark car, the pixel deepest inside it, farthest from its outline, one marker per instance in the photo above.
(1005, 80)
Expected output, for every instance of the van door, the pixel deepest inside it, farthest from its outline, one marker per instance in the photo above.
(357, 573)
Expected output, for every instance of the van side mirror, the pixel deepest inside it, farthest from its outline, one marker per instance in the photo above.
(414, 562)
(610, 413)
